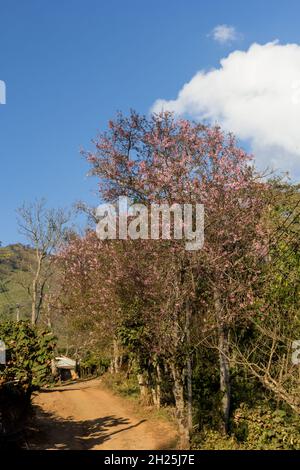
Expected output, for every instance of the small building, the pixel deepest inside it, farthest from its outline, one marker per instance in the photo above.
(66, 368)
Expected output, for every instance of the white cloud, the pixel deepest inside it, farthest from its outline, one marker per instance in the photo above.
(256, 95)
(224, 34)
(2, 92)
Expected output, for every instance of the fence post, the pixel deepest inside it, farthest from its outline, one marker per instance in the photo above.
(2, 353)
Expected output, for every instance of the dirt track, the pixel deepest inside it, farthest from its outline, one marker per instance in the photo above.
(86, 416)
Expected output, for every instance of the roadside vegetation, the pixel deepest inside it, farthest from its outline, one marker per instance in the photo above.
(210, 333)
(28, 365)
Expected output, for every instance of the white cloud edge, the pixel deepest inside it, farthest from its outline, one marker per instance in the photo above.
(255, 94)
(224, 34)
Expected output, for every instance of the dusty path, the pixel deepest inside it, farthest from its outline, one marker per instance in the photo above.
(86, 416)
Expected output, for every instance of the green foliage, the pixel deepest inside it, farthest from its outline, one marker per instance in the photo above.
(214, 440)
(245, 389)
(12, 258)
(261, 427)
(94, 362)
(135, 335)
(254, 428)
(206, 395)
(28, 355)
(14, 275)
(123, 384)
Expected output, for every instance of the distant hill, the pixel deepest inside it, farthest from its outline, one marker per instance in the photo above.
(13, 276)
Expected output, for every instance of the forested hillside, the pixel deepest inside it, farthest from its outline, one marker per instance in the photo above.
(14, 275)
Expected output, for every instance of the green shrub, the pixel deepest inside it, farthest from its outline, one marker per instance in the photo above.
(122, 384)
(28, 360)
(213, 440)
(28, 355)
(94, 363)
(254, 428)
(261, 427)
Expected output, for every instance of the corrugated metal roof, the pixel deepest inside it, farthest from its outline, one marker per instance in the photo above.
(64, 362)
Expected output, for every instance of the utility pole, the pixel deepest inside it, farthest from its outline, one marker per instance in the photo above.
(18, 312)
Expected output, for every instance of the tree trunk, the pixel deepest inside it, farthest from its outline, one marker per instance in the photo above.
(35, 290)
(33, 304)
(49, 322)
(18, 312)
(145, 390)
(158, 386)
(115, 364)
(189, 371)
(224, 375)
(181, 414)
(223, 340)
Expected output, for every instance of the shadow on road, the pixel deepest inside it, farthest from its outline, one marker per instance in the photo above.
(48, 431)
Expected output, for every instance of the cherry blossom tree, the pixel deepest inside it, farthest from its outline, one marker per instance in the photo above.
(162, 159)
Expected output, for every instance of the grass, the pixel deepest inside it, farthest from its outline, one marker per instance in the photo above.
(12, 259)
(121, 385)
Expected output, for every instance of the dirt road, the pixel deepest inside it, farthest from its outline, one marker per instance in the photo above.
(87, 416)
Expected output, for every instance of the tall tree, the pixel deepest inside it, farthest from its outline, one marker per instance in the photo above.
(44, 230)
(162, 159)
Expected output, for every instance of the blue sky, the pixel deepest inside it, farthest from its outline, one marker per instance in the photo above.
(69, 65)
